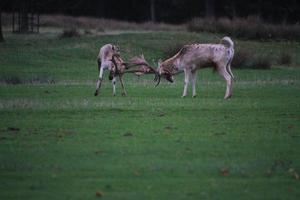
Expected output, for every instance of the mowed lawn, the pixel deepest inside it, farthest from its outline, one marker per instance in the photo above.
(58, 141)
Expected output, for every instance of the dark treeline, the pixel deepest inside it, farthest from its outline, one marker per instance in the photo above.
(173, 11)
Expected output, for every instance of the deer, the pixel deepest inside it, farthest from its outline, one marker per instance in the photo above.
(109, 59)
(104, 59)
(191, 58)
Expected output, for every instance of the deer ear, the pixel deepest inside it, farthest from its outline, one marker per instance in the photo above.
(115, 48)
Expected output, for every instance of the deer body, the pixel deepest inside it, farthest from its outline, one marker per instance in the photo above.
(196, 56)
(109, 59)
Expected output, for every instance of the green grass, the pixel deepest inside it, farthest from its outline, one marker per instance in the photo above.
(58, 141)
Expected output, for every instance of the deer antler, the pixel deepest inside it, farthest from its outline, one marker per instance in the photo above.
(140, 61)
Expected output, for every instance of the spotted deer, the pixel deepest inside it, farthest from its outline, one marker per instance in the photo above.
(192, 57)
(109, 59)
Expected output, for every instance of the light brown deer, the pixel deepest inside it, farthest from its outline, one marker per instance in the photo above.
(109, 59)
(105, 62)
(192, 57)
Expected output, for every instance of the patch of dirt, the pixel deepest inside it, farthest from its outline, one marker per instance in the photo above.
(224, 172)
(99, 194)
(128, 134)
(13, 129)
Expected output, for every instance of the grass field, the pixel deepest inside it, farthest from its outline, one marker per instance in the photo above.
(58, 141)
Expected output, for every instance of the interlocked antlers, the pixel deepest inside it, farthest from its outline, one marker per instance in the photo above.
(143, 67)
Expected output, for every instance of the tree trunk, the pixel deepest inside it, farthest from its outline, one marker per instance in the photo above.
(152, 10)
(210, 8)
(24, 21)
(1, 35)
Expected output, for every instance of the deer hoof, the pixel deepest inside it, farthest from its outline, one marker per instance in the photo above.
(194, 96)
(228, 97)
(124, 94)
(96, 93)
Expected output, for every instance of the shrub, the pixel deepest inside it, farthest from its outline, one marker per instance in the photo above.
(70, 32)
(261, 62)
(172, 49)
(100, 29)
(285, 58)
(247, 28)
(102, 25)
(14, 80)
(241, 59)
(88, 32)
(36, 79)
(246, 59)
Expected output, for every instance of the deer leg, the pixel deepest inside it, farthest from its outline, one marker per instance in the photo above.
(114, 85)
(123, 87)
(186, 82)
(99, 81)
(223, 72)
(194, 78)
(229, 71)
